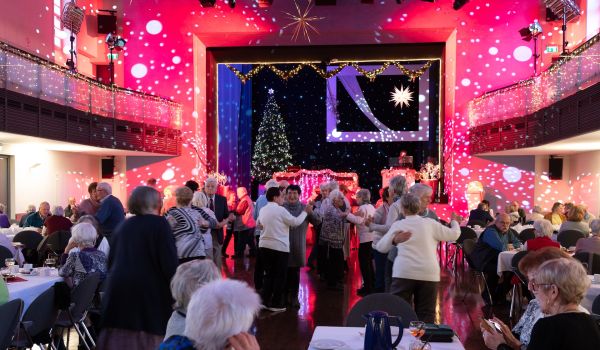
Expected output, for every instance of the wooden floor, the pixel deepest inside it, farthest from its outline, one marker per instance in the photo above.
(459, 305)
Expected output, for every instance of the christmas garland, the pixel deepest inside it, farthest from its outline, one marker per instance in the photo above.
(370, 74)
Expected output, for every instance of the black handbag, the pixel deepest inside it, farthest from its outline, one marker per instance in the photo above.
(437, 333)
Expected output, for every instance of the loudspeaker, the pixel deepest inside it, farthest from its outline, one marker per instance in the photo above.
(555, 168)
(108, 168)
(107, 24)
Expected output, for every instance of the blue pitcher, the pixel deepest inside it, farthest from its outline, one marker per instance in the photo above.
(378, 335)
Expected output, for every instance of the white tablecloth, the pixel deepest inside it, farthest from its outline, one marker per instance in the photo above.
(30, 289)
(355, 339)
(505, 261)
(591, 294)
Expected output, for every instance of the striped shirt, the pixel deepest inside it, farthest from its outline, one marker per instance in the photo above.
(188, 239)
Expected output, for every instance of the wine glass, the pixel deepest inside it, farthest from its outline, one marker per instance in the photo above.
(50, 262)
(9, 262)
(416, 328)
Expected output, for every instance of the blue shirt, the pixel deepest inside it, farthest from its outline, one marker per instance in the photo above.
(492, 237)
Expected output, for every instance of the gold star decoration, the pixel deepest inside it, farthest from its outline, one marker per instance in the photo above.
(301, 21)
(401, 96)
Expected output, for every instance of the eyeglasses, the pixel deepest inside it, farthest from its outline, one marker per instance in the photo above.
(536, 286)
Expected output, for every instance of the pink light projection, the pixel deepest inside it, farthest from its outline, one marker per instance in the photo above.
(166, 55)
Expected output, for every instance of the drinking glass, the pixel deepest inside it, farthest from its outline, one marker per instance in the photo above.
(416, 328)
(9, 262)
(419, 345)
(50, 262)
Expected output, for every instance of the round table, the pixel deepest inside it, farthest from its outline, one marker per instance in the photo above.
(591, 294)
(31, 288)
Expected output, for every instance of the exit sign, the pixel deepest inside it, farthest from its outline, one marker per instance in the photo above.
(551, 49)
(115, 56)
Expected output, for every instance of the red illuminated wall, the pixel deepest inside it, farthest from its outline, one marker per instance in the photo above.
(166, 55)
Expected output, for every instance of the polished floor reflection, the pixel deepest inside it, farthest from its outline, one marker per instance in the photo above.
(459, 305)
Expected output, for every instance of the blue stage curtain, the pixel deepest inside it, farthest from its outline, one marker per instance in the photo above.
(235, 126)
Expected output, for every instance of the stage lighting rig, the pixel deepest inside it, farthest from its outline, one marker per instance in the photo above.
(71, 19)
(458, 4)
(567, 10)
(232, 3)
(532, 32)
(114, 43)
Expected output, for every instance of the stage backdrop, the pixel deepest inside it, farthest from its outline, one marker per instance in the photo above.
(305, 103)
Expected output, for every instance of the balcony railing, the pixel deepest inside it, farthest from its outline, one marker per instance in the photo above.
(573, 73)
(30, 75)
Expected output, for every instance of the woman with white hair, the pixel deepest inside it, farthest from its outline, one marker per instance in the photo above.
(559, 286)
(220, 316)
(101, 241)
(188, 278)
(56, 221)
(536, 214)
(80, 257)
(543, 230)
(590, 244)
(416, 271)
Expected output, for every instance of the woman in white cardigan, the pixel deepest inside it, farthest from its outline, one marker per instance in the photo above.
(416, 272)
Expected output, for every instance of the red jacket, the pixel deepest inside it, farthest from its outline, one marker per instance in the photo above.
(541, 242)
(244, 211)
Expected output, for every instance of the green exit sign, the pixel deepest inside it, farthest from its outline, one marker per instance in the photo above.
(115, 56)
(551, 49)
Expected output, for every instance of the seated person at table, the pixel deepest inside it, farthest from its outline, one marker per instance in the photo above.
(38, 218)
(30, 210)
(575, 221)
(543, 236)
(591, 244)
(536, 214)
(188, 278)
(4, 221)
(480, 216)
(493, 240)
(101, 241)
(556, 216)
(80, 257)
(56, 222)
(559, 285)
(520, 335)
(220, 316)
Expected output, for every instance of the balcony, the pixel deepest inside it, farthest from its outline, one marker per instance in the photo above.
(39, 98)
(562, 102)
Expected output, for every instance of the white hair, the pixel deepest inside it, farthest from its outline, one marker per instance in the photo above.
(595, 227)
(105, 186)
(364, 195)
(189, 277)
(271, 183)
(84, 234)
(543, 228)
(58, 210)
(334, 194)
(200, 199)
(421, 190)
(333, 185)
(2, 207)
(398, 184)
(219, 310)
(211, 179)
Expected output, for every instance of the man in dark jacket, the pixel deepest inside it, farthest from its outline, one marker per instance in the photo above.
(111, 212)
(218, 204)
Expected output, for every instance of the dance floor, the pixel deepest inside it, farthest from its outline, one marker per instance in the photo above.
(319, 306)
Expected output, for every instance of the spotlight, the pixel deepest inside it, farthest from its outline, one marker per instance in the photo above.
(208, 3)
(72, 18)
(458, 4)
(114, 43)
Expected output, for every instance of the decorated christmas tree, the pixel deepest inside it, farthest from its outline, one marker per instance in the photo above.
(272, 149)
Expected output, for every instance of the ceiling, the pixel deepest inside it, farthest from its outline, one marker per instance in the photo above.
(578, 144)
(7, 139)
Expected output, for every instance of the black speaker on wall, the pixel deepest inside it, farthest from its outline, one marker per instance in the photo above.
(107, 24)
(108, 168)
(555, 168)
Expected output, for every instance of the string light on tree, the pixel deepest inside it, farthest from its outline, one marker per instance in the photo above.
(401, 96)
(272, 149)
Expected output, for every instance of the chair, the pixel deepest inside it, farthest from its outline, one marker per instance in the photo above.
(465, 233)
(81, 300)
(468, 247)
(390, 303)
(9, 319)
(54, 244)
(517, 284)
(5, 253)
(31, 240)
(589, 260)
(37, 322)
(526, 235)
(596, 305)
(569, 238)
